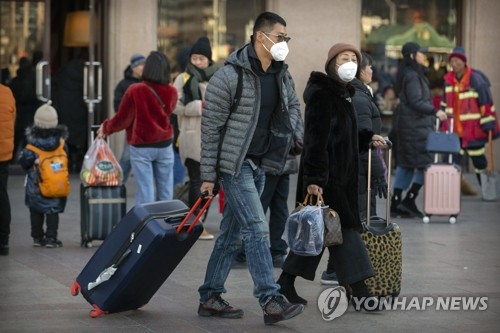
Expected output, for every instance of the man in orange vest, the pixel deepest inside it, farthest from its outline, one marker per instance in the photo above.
(467, 98)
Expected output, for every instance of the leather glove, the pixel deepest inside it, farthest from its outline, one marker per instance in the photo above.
(379, 186)
(487, 125)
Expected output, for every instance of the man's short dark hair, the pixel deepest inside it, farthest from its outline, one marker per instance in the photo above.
(266, 21)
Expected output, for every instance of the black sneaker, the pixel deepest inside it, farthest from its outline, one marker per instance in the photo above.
(53, 243)
(216, 306)
(39, 242)
(329, 278)
(278, 308)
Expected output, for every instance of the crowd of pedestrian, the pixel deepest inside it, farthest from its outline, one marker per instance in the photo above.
(239, 127)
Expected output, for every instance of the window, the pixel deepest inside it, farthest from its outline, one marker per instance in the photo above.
(387, 25)
(227, 23)
(21, 34)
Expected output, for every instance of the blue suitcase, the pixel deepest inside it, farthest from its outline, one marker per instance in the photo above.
(138, 256)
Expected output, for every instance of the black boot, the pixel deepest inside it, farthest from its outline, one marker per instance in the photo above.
(362, 299)
(395, 201)
(286, 282)
(408, 204)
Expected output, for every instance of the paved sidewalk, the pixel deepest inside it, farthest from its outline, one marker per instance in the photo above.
(439, 259)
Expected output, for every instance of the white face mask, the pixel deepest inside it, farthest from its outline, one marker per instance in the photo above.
(347, 71)
(278, 51)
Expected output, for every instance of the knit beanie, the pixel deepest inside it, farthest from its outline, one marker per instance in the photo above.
(46, 116)
(202, 46)
(458, 52)
(339, 48)
(136, 60)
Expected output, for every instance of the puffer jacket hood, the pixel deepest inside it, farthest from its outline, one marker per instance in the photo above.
(46, 138)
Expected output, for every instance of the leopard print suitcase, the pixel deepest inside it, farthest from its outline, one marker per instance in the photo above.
(383, 242)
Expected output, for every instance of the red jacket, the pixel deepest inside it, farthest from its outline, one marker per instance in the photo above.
(142, 116)
(470, 104)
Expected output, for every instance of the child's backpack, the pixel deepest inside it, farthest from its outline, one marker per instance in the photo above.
(51, 173)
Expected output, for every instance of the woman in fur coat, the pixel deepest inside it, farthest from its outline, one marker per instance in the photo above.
(329, 165)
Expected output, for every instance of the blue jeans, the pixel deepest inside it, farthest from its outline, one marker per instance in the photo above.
(154, 173)
(405, 176)
(243, 217)
(179, 170)
(125, 162)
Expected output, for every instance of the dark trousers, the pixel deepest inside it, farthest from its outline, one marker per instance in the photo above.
(37, 220)
(350, 259)
(275, 197)
(4, 204)
(193, 168)
(476, 155)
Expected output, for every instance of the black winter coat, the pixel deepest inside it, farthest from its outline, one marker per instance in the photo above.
(123, 85)
(45, 139)
(415, 119)
(330, 158)
(67, 98)
(369, 120)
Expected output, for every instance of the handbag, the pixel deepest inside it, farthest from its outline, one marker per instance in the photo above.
(333, 228)
(443, 142)
(304, 231)
(331, 220)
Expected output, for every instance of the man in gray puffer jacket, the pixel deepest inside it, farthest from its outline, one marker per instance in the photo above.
(237, 148)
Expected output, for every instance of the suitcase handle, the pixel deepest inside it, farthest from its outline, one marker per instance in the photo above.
(191, 211)
(369, 190)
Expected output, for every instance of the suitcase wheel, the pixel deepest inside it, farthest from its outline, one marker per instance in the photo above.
(75, 289)
(453, 219)
(426, 219)
(96, 312)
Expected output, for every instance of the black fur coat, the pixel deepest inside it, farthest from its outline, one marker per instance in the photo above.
(330, 157)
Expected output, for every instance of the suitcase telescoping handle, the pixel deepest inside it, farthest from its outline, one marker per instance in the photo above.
(202, 197)
(369, 190)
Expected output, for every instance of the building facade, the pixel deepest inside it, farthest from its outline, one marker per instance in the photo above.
(125, 27)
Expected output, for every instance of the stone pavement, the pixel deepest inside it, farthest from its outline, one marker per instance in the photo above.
(439, 260)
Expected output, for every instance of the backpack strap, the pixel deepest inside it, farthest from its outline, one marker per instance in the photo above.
(239, 88)
(234, 105)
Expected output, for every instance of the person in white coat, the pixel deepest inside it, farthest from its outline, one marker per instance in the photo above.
(191, 86)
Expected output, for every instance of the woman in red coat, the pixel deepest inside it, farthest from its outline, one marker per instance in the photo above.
(144, 113)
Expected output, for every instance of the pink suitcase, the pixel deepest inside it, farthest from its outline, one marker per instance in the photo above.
(442, 191)
(442, 180)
